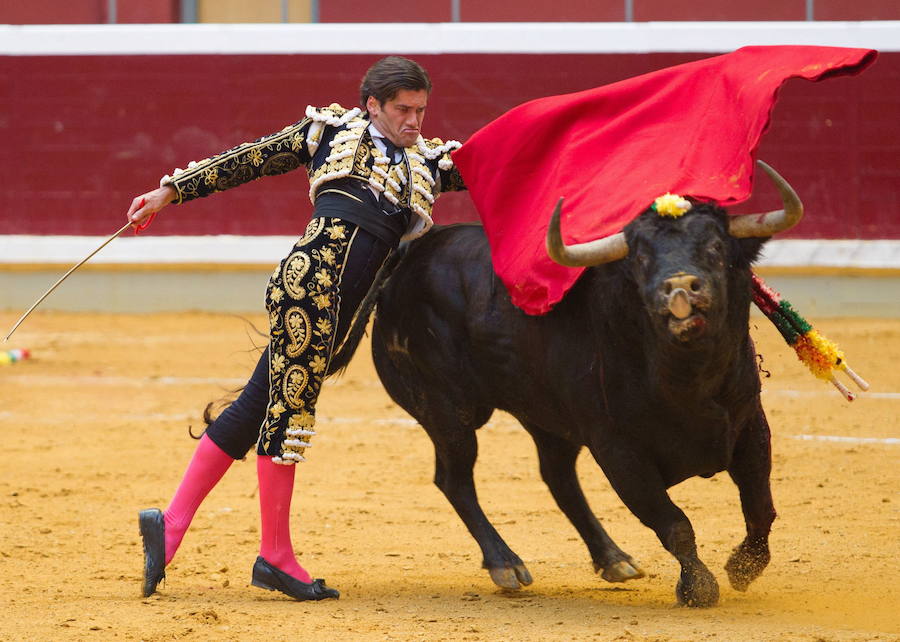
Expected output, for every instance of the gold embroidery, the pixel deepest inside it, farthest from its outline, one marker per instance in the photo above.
(324, 278)
(322, 301)
(297, 141)
(340, 161)
(336, 232)
(295, 380)
(298, 327)
(317, 365)
(280, 164)
(327, 255)
(302, 335)
(243, 163)
(295, 269)
(332, 190)
(314, 228)
(362, 155)
(301, 420)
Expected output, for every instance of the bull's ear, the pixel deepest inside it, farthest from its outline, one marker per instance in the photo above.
(746, 251)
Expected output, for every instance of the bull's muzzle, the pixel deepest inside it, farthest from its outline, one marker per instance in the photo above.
(678, 299)
(679, 304)
(685, 299)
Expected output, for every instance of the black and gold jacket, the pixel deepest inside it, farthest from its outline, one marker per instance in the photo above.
(332, 143)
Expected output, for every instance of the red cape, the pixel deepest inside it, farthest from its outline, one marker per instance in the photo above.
(691, 130)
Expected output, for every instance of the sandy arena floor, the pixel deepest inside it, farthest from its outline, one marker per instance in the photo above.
(94, 428)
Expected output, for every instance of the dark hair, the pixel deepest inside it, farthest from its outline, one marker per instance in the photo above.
(389, 75)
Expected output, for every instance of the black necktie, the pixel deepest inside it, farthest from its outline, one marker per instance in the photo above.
(390, 151)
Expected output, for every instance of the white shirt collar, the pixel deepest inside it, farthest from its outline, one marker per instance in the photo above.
(378, 138)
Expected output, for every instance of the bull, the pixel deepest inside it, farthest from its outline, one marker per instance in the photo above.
(647, 362)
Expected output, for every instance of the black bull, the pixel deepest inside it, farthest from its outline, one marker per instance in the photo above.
(647, 362)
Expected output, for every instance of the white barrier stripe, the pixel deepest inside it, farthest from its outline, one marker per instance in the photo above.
(848, 440)
(439, 38)
(233, 249)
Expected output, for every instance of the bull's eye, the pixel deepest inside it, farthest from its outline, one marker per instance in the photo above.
(715, 250)
(642, 260)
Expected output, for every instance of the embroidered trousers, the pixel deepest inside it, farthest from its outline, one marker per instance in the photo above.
(311, 299)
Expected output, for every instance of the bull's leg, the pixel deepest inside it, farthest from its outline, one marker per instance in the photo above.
(557, 458)
(643, 490)
(455, 455)
(750, 466)
(450, 418)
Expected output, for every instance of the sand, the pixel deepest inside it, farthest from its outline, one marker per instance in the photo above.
(95, 427)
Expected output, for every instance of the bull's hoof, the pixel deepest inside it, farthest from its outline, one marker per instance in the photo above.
(621, 571)
(697, 589)
(512, 578)
(746, 563)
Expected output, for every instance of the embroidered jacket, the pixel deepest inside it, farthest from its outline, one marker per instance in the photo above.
(332, 143)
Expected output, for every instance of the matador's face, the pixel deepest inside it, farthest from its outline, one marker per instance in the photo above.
(400, 118)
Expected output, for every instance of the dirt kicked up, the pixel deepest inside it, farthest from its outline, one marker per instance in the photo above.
(94, 427)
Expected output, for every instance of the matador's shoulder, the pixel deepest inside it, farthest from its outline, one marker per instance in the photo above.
(333, 115)
(435, 148)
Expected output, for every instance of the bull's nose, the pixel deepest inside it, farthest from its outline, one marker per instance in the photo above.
(686, 282)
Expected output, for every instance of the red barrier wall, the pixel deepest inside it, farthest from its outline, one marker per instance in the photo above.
(857, 10)
(384, 11)
(718, 10)
(541, 11)
(83, 134)
(88, 11)
(156, 11)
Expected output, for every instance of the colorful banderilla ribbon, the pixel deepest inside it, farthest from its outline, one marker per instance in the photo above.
(820, 355)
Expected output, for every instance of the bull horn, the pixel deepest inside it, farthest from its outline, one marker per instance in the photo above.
(769, 223)
(605, 250)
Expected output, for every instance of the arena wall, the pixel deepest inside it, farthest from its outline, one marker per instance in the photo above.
(96, 114)
(346, 11)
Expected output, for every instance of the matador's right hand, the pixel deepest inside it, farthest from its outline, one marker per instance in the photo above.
(145, 205)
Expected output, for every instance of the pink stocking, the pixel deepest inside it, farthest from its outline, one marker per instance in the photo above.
(207, 466)
(276, 485)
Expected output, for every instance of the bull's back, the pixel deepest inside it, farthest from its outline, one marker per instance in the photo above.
(445, 330)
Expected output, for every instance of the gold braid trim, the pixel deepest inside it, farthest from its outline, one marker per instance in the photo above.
(340, 162)
(270, 155)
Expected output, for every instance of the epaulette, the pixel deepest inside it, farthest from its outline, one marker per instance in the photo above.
(436, 148)
(333, 115)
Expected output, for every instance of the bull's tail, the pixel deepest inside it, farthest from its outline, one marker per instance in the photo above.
(342, 356)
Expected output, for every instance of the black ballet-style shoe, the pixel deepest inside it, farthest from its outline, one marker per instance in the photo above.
(270, 578)
(153, 533)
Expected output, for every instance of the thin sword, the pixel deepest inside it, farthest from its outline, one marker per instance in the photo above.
(64, 277)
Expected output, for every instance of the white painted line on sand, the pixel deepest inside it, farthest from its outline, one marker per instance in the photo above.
(829, 392)
(324, 420)
(848, 440)
(114, 380)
